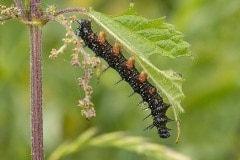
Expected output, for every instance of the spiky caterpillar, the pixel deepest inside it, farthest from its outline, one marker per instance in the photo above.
(126, 69)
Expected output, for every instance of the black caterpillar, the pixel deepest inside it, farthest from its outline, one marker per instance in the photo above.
(126, 69)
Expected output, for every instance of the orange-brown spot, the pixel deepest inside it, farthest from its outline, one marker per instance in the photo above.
(130, 63)
(116, 49)
(151, 90)
(102, 37)
(143, 77)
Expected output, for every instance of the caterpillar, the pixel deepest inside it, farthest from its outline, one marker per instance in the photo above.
(126, 69)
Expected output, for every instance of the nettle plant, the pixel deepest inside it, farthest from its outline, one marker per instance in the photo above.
(138, 36)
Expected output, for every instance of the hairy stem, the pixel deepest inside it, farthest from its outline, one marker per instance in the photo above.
(19, 5)
(36, 85)
(71, 10)
(36, 93)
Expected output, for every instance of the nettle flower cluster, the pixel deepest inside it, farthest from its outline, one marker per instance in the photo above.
(87, 63)
(8, 13)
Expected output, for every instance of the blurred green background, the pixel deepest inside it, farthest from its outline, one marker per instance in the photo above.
(210, 125)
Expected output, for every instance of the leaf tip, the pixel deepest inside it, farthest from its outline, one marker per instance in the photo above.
(131, 5)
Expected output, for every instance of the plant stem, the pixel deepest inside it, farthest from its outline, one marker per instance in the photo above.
(71, 10)
(19, 5)
(36, 93)
(36, 86)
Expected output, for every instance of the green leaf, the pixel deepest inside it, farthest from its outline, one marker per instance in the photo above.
(119, 140)
(141, 38)
(68, 148)
(138, 145)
